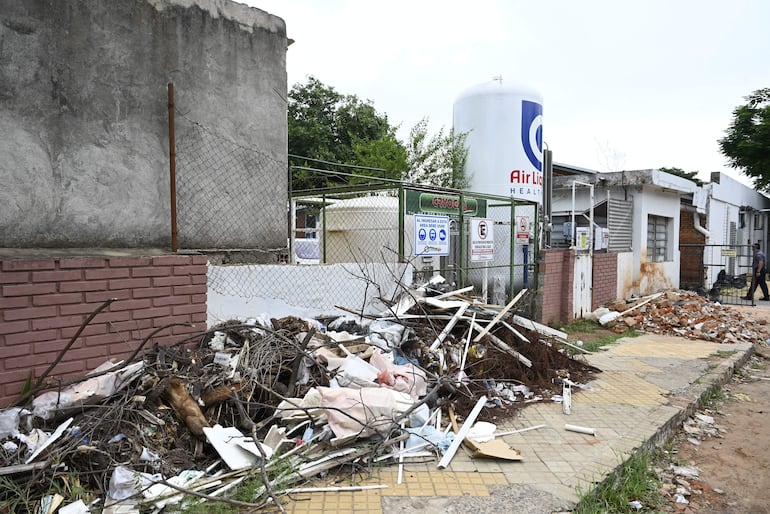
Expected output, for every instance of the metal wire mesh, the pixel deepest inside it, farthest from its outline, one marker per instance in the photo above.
(228, 196)
(233, 197)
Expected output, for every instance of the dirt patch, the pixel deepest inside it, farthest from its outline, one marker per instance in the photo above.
(734, 463)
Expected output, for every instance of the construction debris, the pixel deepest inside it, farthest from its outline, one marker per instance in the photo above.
(685, 314)
(281, 401)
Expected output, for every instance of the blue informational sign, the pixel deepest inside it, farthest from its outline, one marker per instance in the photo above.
(431, 235)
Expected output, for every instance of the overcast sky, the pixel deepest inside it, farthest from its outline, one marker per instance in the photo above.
(625, 84)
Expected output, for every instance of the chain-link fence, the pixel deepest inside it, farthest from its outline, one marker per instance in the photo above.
(487, 242)
(352, 239)
(228, 195)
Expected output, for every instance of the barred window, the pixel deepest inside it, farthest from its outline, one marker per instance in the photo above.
(658, 245)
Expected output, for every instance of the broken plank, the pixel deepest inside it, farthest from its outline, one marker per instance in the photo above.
(499, 316)
(537, 327)
(333, 489)
(458, 440)
(504, 347)
(648, 300)
(23, 468)
(454, 293)
(442, 304)
(449, 326)
(515, 332)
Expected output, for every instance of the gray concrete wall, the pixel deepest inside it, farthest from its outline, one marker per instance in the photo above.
(83, 120)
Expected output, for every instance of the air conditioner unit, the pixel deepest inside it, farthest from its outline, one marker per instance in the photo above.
(568, 231)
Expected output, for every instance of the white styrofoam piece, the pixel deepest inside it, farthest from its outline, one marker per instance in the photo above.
(231, 445)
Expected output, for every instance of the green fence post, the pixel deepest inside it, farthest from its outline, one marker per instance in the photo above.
(463, 242)
(323, 225)
(401, 215)
(512, 251)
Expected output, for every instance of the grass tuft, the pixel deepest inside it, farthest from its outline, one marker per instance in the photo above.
(634, 479)
(597, 335)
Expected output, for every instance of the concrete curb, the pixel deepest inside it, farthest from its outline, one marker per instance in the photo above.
(716, 377)
(698, 391)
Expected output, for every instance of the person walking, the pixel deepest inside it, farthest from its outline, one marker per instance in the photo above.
(759, 268)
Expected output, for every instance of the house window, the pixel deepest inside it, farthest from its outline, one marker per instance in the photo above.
(658, 239)
(758, 221)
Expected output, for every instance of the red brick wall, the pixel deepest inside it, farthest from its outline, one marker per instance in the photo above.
(605, 279)
(43, 302)
(557, 289)
(691, 265)
(558, 277)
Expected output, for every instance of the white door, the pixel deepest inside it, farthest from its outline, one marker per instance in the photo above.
(582, 285)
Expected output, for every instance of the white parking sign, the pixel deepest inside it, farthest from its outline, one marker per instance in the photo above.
(482, 240)
(431, 235)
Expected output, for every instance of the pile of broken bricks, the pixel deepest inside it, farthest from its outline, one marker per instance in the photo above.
(684, 314)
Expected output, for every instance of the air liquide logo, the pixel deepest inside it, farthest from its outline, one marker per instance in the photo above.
(526, 178)
(532, 132)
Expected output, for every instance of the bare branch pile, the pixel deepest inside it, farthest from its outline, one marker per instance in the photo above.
(278, 402)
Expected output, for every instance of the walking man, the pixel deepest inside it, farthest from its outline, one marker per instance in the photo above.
(758, 267)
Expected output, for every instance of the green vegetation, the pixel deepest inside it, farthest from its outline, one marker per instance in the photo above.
(713, 395)
(634, 480)
(593, 335)
(13, 497)
(343, 133)
(679, 172)
(747, 141)
(250, 490)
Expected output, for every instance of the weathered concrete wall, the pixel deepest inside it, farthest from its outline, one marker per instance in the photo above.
(83, 117)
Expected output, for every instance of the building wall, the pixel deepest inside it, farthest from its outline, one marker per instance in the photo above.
(727, 198)
(84, 152)
(692, 243)
(605, 279)
(651, 277)
(44, 301)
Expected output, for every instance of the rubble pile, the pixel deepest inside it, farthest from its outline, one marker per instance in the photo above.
(690, 315)
(281, 401)
(681, 484)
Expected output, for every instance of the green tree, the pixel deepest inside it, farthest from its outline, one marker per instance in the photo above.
(328, 126)
(679, 172)
(747, 141)
(437, 160)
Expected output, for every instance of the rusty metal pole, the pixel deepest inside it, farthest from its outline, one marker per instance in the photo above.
(172, 167)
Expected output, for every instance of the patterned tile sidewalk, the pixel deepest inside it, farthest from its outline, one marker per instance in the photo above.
(648, 386)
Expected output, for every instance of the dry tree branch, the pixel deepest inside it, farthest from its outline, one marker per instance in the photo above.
(63, 351)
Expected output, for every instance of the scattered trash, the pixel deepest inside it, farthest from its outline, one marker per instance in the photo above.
(581, 430)
(686, 471)
(266, 395)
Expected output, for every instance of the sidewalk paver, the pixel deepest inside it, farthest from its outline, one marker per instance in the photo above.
(648, 386)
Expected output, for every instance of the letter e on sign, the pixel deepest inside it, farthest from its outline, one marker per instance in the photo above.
(483, 229)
